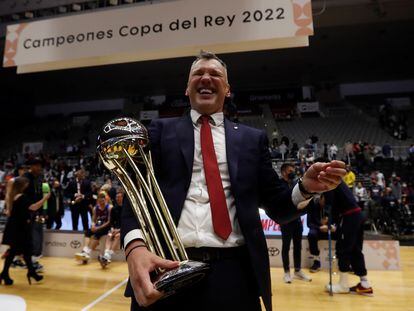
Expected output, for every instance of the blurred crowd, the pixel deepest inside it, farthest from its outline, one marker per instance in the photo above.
(361, 155)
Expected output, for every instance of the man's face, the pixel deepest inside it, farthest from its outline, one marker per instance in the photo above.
(285, 174)
(101, 201)
(119, 198)
(207, 86)
(21, 171)
(80, 175)
(36, 169)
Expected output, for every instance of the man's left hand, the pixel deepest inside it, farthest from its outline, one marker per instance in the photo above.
(321, 177)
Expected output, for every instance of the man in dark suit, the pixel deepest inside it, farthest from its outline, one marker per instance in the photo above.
(214, 174)
(55, 208)
(80, 192)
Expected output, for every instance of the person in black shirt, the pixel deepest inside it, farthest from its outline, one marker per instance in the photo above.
(350, 235)
(112, 241)
(55, 208)
(375, 193)
(80, 192)
(317, 222)
(18, 230)
(291, 231)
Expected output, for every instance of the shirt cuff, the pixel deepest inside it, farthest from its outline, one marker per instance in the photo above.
(298, 199)
(133, 235)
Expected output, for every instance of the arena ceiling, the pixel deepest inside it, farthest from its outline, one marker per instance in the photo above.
(365, 48)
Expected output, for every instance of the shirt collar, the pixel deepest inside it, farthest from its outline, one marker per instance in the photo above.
(217, 118)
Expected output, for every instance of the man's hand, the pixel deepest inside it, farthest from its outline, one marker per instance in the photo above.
(321, 177)
(324, 228)
(141, 263)
(78, 198)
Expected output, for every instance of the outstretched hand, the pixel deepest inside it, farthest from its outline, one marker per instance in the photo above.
(321, 177)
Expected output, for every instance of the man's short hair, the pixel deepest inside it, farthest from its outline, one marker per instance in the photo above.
(207, 56)
(285, 166)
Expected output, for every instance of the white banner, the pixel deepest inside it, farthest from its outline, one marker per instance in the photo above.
(160, 30)
(272, 228)
(379, 255)
(67, 244)
(308, 107)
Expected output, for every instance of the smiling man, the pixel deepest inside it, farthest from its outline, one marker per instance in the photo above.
(214, 174)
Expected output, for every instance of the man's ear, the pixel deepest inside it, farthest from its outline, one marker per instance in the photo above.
(228, 93)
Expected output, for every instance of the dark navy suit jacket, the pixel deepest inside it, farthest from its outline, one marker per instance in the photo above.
(253, 182)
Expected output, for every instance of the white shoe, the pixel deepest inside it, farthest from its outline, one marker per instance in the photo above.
(287, 278)
(338, 289)
(107, 258)
(302, 276)
(83, 256)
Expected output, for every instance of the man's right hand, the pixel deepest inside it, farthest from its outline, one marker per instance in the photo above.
(141, 263)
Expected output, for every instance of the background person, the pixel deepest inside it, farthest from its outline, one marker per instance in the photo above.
(18, 231)
(80, 193)
(350, 238)
(112, 243)
(291, 231)
(100, 226)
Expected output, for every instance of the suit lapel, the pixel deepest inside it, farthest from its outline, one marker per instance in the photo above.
(185, 134)
(233, 141)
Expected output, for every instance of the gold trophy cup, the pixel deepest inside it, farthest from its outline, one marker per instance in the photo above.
(123, 147)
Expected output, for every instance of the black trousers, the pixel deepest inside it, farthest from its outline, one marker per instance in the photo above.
(349, 244)
(37, 238)
(292, 231)
(82, 210)
(314, 236)
(230, 285)
(56, 218)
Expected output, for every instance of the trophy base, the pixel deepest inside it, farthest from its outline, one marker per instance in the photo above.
(188, 273)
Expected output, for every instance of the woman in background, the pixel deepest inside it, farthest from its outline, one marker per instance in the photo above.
(17, 233)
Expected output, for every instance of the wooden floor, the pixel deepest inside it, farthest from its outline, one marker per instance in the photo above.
(70, 286)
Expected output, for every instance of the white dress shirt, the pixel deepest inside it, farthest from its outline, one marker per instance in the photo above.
(195, 226)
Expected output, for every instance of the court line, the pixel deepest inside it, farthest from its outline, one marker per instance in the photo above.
(104, 295)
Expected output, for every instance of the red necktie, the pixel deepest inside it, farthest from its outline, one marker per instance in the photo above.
(218, 205)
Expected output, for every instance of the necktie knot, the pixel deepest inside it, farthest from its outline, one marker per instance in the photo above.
(205, 119)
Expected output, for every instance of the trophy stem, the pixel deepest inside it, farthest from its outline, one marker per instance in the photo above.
(163, 206)
(158, 215)
(139, 207)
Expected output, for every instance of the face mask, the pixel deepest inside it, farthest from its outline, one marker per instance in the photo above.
(291, 176)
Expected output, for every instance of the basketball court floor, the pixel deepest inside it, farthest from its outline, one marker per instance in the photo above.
(72, 286)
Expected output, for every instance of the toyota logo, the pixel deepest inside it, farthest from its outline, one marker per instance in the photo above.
(75, 244)
(273, 251)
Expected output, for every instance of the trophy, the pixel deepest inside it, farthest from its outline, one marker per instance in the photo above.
(123, 147)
